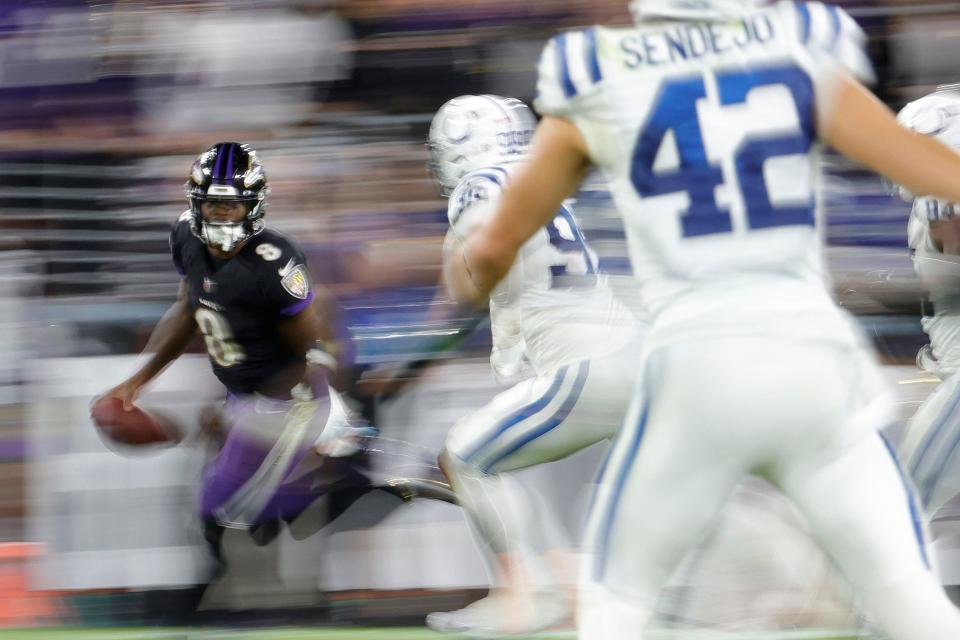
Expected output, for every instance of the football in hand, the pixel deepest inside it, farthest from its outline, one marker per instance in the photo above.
(135, 427)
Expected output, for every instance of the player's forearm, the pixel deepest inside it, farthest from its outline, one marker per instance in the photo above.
(927, 167)
(473, 269)
(169, 340)
(327, 348)
(305, 330)
(862, 128)
(308, 335)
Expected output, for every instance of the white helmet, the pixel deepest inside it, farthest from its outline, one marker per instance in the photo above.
(936, 114)
(692, 9)
(471, 132)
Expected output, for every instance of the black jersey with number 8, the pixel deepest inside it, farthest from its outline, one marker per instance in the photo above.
(239, 303)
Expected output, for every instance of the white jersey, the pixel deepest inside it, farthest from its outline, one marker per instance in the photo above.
(553, 307)
(940, 274)
(706, 132)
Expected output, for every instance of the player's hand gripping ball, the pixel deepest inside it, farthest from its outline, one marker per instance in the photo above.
(135, 428)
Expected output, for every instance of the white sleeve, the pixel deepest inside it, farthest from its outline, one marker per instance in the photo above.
(570, 85)
(834, 39)
(569, 72)
(474, 201)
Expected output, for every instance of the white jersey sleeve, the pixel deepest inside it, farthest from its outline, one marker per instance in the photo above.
(472, 203)
(569, 73)
(570, 85)
(833, 38)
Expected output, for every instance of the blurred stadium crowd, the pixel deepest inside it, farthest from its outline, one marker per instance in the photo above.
(104, 103)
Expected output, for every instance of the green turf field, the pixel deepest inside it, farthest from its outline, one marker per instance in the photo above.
(356, 633)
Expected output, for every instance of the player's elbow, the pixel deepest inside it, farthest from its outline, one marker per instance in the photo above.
(475, 269)
(460, 287)
(491, 258)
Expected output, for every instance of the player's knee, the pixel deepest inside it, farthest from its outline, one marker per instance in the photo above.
(456, 469)
(452, 465)
(444, 462)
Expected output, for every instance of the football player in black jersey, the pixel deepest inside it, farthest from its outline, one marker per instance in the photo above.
(247, 290)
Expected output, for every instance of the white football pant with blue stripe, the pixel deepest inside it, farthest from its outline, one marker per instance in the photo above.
(548, 417)
(931, 447)
(539, 420)
(707, 413)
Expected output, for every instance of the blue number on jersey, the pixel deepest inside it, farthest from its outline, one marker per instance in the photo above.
(675, 110)
(566, 236)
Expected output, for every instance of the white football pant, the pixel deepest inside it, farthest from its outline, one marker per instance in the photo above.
(538, 420)
(931, 446)
(804, 415)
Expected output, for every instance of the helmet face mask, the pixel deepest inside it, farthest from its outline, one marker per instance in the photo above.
(227, 172)
(224, 236)
(471, 132)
